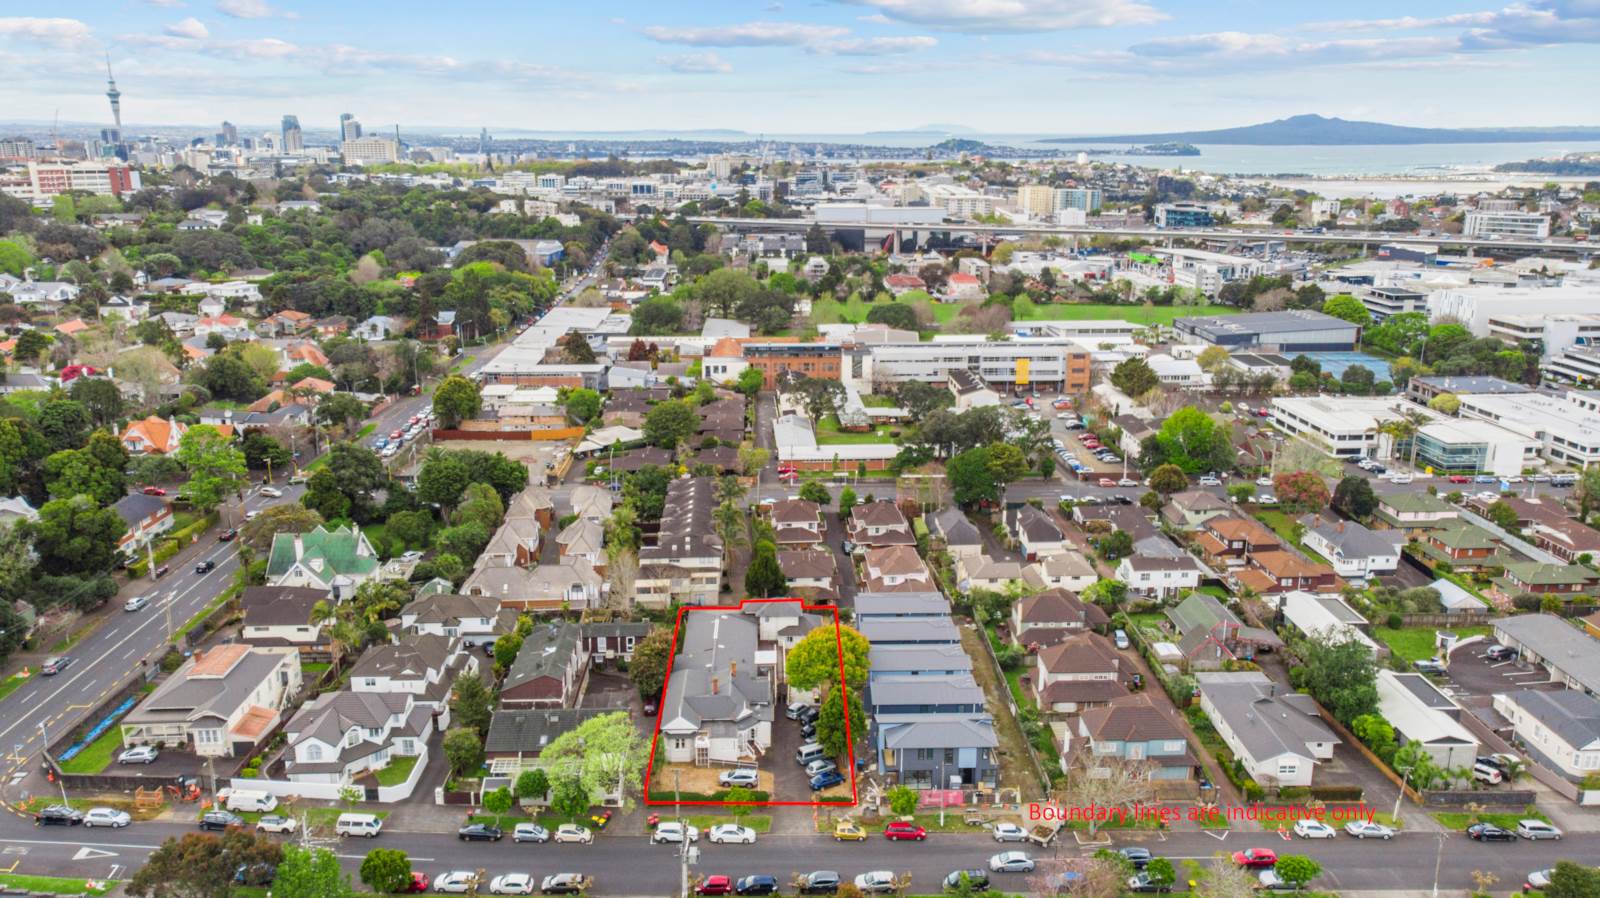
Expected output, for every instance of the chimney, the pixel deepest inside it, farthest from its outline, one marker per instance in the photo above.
(714, 684)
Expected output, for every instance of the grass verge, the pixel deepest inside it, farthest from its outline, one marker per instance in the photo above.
(55, 885)
(97, 755)
(12, 684)
(1459, 821)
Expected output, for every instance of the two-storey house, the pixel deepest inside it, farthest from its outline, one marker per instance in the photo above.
(1078, 673)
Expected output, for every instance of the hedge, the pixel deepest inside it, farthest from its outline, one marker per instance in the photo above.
(173, 542)
(1337, 793)
(719, 795)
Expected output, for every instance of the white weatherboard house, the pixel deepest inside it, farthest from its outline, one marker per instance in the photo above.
(1561, 729)
(1420, 713)
(1275, 733)
(719, 696)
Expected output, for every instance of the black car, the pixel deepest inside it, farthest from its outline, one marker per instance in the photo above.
(808, 730)
(1138, 857)
(809, 715)
(220, 820)
(760, 884)
(820, 882)
(58, 815)
(259, 874)
(1488, 832)
(205, 567)
(1500, 653)
(479, 832)
(977, 880)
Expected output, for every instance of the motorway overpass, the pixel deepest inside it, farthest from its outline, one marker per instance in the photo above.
(875, 232)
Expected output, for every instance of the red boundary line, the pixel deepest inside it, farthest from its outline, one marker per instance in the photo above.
(850, 751)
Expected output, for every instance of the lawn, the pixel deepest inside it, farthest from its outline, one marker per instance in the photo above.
(97, 755)
(828, 433)
(1460, 821)
(312, 670)
(395, 772)
(12, 684)
(761, 823)
(1138, 314)
(57, 885)
(211, 606)
(1014, 765)
(327, 817)
(1416, 643)
(1288, 530)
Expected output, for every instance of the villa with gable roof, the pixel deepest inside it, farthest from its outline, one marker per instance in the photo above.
(336, 560)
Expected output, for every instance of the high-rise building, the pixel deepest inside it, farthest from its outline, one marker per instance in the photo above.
(230, 134)
(115, 96)
(367, 150)
(1036, 200)
(483, 141)
(1085, 199)
(349, 128)
(293, 140)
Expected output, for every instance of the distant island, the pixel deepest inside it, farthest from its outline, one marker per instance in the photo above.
(1316, 130)
(1583, 164)
(979, 148)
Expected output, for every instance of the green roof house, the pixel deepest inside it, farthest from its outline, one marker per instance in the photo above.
(336, 560)
(1553, 579)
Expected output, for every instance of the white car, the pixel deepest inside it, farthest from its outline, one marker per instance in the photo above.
(457, 881)
(1540, 879)
(1532, 830)
(1009, 832)
(744, 776)
(1210, 481)
(1127, 481)
(276, 823)
(1263, 481)
(512, 884)
(106, 817)
(875, 882)
(731, 834)
(1399, 478)
(1011, 862)
(572, 832)
(272, 492)
(673, 831)
(1361, 829)
(1313, 829)
(410, 556)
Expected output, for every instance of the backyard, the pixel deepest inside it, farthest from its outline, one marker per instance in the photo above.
(1417, 643)
(828, 433)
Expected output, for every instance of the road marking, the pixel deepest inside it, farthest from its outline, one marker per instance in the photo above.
(1214, 835)
(131, 845)
(88, 854)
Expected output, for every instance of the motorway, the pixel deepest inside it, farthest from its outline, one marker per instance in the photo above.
(630, 865)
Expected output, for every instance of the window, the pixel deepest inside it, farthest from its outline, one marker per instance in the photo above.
(313, 752)
(949, 756)
(1288, 768)
(370, 683)
(924, 754)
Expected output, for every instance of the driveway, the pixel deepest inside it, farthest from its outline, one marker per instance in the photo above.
(844, 580)
(790, 783)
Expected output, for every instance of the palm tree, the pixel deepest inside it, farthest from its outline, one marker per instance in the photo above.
(728, 518)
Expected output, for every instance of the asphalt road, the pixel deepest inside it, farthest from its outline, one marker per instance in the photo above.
(630, 865)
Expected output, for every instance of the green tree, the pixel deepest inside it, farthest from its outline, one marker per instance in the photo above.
(1339, 674)
(582, 405)
(100, 397)
(76, 535)
(750, 381)
(652, 658)
(1445, 403)
(1503, 515)
(1134, 377)
(814, 660)
(532, 784)
(1168, 479)
(568, 798)
(971, 478)
(498, 802)
(472, 704)
(1116, 544)
(311, 873)
(1297, 869)
(64, 424)
(259, 531)
(847, 501)
(341, 411)
(1354, 498)
(31, 344)
(670, 423)
(216, 467)
(1193, 441)
(200, 865)
(1161, 872)
(1375, 733)
(442, 479)
(386, 871)
(1570, 879)
(831, 722)
(605, 753)
(812, 491)
(261, 450)
(764, 578)
(1347, 308)
(903, 801)
(226, 376)
(456, 399)
(506, 649)
(72, 472)
(463, 746)
(1588, 489)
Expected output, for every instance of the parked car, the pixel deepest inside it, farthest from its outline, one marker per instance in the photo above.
(1270, 881)
(565, 884)
(977, 880)
(1485, 773)
(57, 815)
(419, 882)
(1263, 481)
(276, 823)
(1313, 829)
(820, 882)
(55, 665)
(1009, 832)
(820, 766)
(480, 832)
(1538, 879)
(672, 831)
(106, 817)
(900, 831)
(1532, 830)
(572, 832)
(1361, 829)
(1500, 653)
(1127, 481)
(731, 834)
(1208, 480)
(139, 754)
(875, 882)
(1142, 882)
(1488, 832)
(1011, 862)
(220, 820)
(1138, 857)
(154, 491)
(794, 710)
(1120, 637)
(1107, 482)
(758, 884)
(744, 776)
(1256, 857)
(1460, 478)
(715, 885)
(512, 884)
(1429, 666)
(529, 832)
(825, 780)
(846, 831)
(455, 882)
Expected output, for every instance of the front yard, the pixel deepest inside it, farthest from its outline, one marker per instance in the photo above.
(97, 755)
(1417, 643)
(396, 771)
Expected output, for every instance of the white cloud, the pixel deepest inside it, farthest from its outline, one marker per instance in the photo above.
(250, 9)
(164, 3)
(875, 46)
(1403, 22)
(748, 34)
(1011, 16)
(65, 33)
(696, 64)
(190, 29)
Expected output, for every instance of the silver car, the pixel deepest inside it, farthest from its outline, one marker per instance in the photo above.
(106, 817)
(139, 754)
(1009, 832)
(530, 832)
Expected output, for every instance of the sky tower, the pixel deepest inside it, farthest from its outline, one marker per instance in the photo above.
(115, 96)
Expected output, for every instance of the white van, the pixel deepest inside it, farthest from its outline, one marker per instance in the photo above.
(357, 825)
(250, 800)
(809, 752)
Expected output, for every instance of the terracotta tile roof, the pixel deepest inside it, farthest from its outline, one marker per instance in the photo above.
(1087, 653)
(1286, 564)
(218, 661)
(75, 326)
(314, 383)
(255, 722)
(1247, 529)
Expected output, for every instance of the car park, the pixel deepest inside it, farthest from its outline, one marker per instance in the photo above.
(479, 832)
(106, 817)
(455, 882)
(529, 832)
(220, 820)
(875, 882)
(1011, 862)
(758, 884)
(565, 884)
(731, 834)
(819, 882)
(977, 881)
(1537, 830)
(1313, 829)
(670, 831)
(1500, 653)
(276, 823)
(139, 754)
(1363, 829)
(715, 885)
(572, 832)
(1256, 857)
(55, 665)
(744, 776)
(900, 831)
(1488, 832)
(1009, 832)
(512, 884)
(136, 603)
(57, 815)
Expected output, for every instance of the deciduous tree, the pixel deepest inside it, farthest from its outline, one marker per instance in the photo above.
(456, 399)
(386, 871)
(815, 659)
(652, 659)
(216, 467)
(310, 873)
(831, 722)
(605, 753)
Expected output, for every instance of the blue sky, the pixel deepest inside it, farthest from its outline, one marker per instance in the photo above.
(805, 66)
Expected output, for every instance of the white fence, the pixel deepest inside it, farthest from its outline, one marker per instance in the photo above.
(330, 791)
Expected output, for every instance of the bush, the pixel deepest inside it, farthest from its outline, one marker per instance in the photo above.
(1294, 793)
(1394, 621)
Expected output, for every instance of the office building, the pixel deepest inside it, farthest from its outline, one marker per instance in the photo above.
(369, 150)
(47, 179)
(1409, 252)
(1183, 215)
(1468, 446)
(1513, 225)
(1560, 429)
(1084, 199)
(229, 135)
(293, 140)
(1283, 332)
(1574, 365)
(1473, 306)
(958, 201)
(1343, 426)
(1036, 200)
(1553, 332)
(1422, 389)
(1008, 367)
(1381, 302)
(1207, 271)
(776, 360)
(349, 128)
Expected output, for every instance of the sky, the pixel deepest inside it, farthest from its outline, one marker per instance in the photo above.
(803, 66)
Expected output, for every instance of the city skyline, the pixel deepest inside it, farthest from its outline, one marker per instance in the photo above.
(994, 66)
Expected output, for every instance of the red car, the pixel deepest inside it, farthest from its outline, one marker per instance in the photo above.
(154, 491)
(715, 885)
(1460, 478)
(1256, 857)
(419, 882)
(900, 831)
(1107, 481)
(227, 536)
